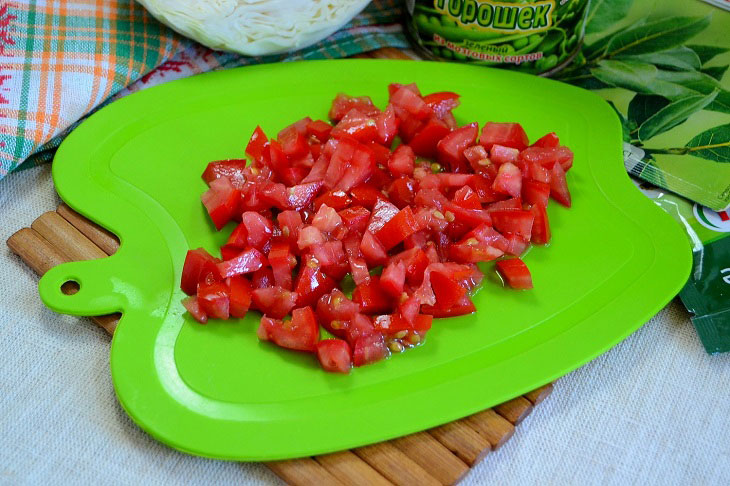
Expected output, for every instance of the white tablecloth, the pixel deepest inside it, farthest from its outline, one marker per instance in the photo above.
(654, 410)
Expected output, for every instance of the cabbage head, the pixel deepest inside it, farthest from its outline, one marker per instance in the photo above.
(255, 27)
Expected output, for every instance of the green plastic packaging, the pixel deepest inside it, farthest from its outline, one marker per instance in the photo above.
(538, 37)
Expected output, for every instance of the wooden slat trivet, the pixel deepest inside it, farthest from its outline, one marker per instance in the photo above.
(442, 455)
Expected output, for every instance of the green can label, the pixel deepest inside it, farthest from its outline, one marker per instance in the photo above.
(499, 17)
(533, 36)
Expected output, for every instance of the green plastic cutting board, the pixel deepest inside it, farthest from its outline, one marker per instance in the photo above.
(134, 167)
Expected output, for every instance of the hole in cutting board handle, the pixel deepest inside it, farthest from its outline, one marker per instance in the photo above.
(70, 287)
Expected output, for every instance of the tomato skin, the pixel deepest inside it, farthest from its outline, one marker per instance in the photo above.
(302, 195)
(398, 228)
(447, 291)
(506, 134)
(247, 261)
(366, 195)
(334, 355)
(214, 300)
(221, 201)
(194, 309)
(425, 141)
(550, 140)
(195, 261)
(300, 334)
(411, 102)
(541, 225)
(415, 261)
(258, 144)
(355, 219)
(451, 148)
(356, 125)
(334, 199)
(535, 192)
(369, 349)
(383, 211)
(515, 273)
(240, 295)
(371, 296)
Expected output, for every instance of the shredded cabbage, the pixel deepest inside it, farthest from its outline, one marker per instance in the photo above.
(255, 27)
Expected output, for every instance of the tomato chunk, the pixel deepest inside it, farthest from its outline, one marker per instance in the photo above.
(301, 333)
(515, 273)
(334, 355)
(195, 262)
(506, 134)
(369, 349)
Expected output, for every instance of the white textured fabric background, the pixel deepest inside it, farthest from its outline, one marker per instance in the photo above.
(654, 410)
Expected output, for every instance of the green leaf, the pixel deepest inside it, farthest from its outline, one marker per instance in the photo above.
(656, 36)
(604, 13)
(680, 57)
(706, 53)
(673, 114)
(582, 78)
(599, 46)
(625, 124)
(716, 72)
(697, 82)
(639, 77)
(642, 107)
(712, 144)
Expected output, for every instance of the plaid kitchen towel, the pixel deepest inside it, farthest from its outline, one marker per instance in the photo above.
(61, 60)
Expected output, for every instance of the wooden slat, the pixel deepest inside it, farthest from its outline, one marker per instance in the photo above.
(66, 238)
(303, 472)
(392, 463)
(496, 429)
(105, 240)
(351, 470)
(537, 396)
(433, 457)
(462, 440)
(35, 250)
(515, 410)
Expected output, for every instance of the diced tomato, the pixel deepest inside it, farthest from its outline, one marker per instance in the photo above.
(339, 162)
(506, 134)
(499, 154)
(319, 169)
(294, 144)
(355, 219)
(274, 301)
(383, 211)
(512, 203)
(247, 261)
(329, 253)
(467, 198)
(280, 260)
(447, 291)
(408, 127)
(548, 156)
(221, 201)
(547, 141)
(343, 104)
(358, 265)
(513, 221)
(536, 172)
(509, 180)
(311, 283)
(326, 219)
(233, 169)
(559, 186)
(386, 125)
(369, 349)
(476, 154)
(516, 244)
(394, 87)
(372, 249)
(214, 300)
(290, 222)
(308, 236)
(240, 295)
(357, 125)
(195, 261)
(358, 327)
(366, 195)
(334, 355)
(262, 278)
(381, 154)
(402, 191)
(393, 278)
(302, 195)
(515, 273)
(258, 229)
(411, 102)
(483, 187)
(402, 161)
(535, 192)
(442, 102)
(541, 225)
(294, 175)
(371, 296)
(193, 307)
(258, 144)
(229, 251)
(301, 333)
(319, 129)
(398, 228)
(361, 169)
(451, 148)
(463, 307)
(394, 323)
(336, 306)
(424, 142)
(334, 199)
